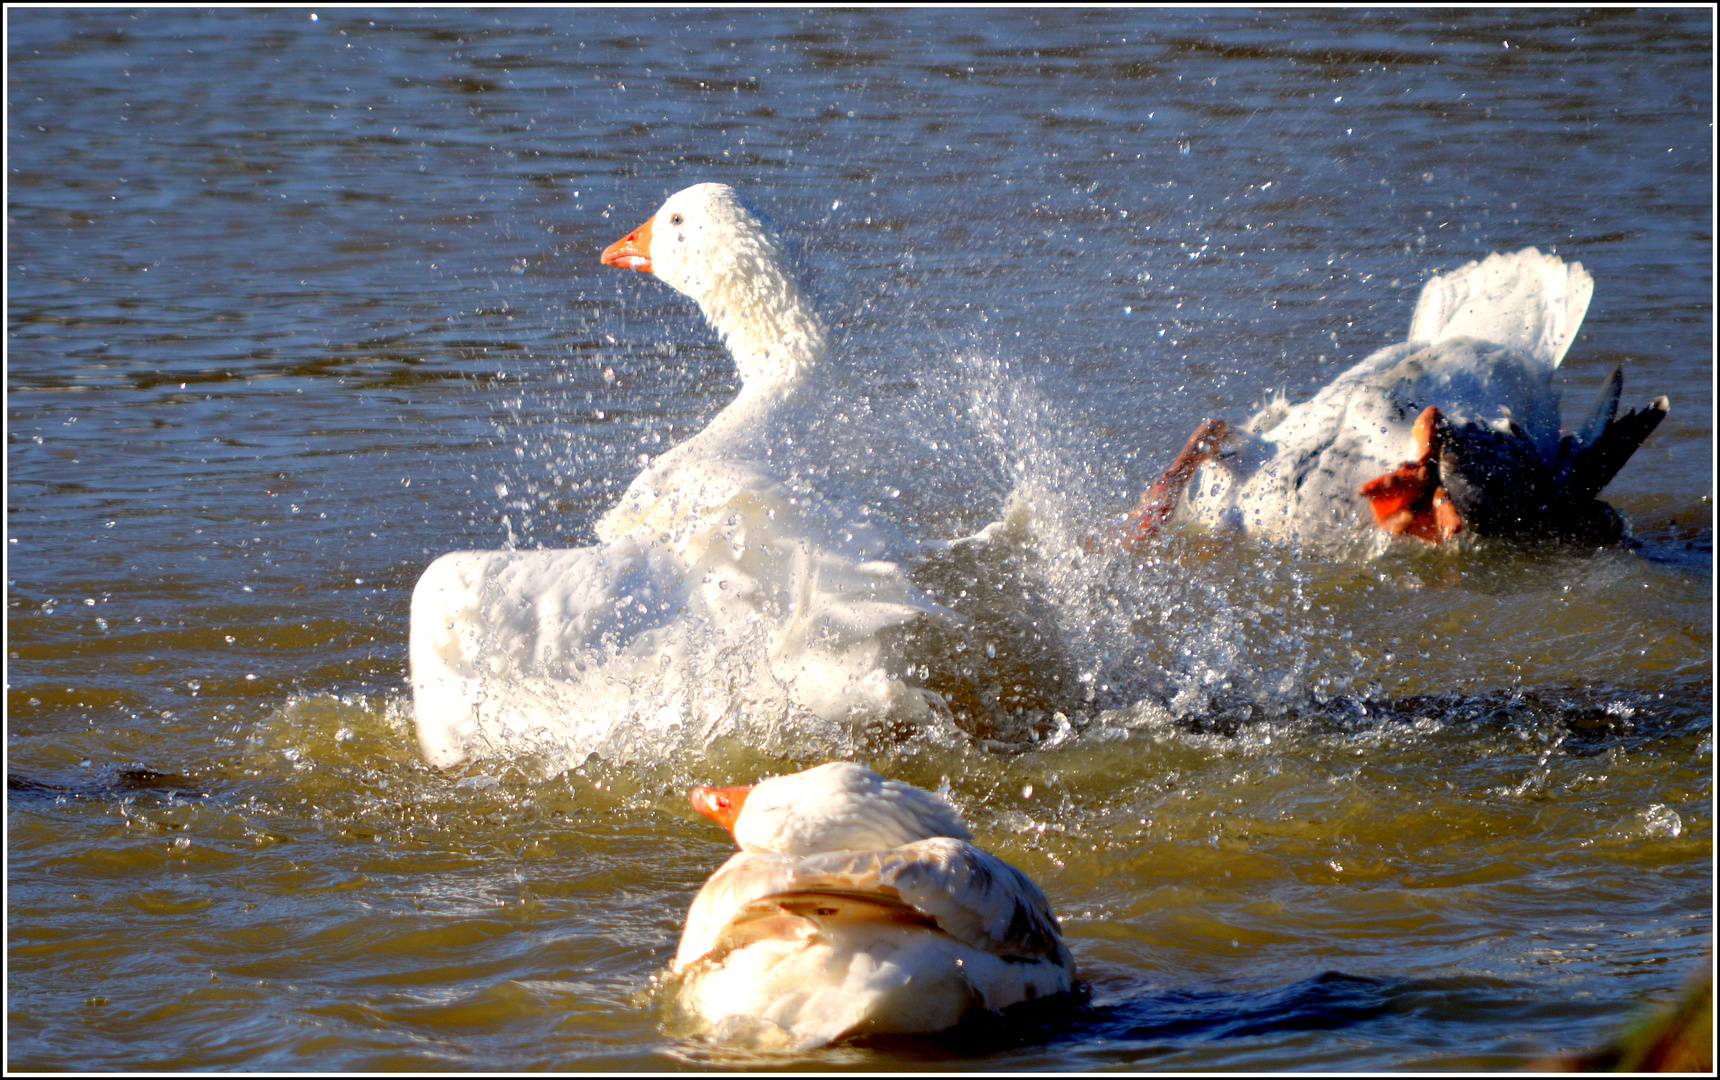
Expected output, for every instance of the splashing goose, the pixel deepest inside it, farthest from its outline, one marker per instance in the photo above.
(856, 906)
(722, 562)
(1454, 430)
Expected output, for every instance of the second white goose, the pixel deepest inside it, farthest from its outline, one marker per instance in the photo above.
(1455, 430)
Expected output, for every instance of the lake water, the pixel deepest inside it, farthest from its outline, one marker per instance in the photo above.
(296, 305)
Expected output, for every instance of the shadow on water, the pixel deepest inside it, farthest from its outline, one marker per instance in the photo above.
(1575, 721)
(1323, 1002)
(1593, 718)
(1153, 1022)
(111, 784)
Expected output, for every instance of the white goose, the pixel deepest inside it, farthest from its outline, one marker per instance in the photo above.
(856, 906)
(718, 550)
(1454, 430)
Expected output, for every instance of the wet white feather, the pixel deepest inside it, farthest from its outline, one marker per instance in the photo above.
(840, 807)
(803, 946)
(708, 244)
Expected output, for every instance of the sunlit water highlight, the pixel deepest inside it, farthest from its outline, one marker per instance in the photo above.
(295, 307)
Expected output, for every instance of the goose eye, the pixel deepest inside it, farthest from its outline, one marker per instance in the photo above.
(674, 219)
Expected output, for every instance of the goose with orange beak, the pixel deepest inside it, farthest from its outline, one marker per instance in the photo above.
(720, 538)
(857, 906)
(1454, 432)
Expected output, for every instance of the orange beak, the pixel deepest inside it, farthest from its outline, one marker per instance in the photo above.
(722, 805)
(1409, 499)
(633, 251)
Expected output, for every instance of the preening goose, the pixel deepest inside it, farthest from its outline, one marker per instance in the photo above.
(1456, 430)
(857, 906)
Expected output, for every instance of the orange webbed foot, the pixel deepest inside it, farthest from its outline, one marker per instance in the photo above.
(1409, 501)
(1160, 501)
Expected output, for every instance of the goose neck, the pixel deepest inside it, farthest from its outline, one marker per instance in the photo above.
(768, 323)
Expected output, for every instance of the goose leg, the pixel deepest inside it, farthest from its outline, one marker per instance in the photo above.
(1160, 501)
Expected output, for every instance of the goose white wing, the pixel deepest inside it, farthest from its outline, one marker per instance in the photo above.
(1526, 301)
(964, 892)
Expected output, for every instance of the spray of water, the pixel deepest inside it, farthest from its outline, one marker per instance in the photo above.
(1048, 629)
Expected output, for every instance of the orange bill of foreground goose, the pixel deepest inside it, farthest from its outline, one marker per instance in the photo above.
(721, 805)
(857, 906)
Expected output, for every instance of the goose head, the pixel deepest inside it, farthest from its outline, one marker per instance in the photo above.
(834, 807)
(706, 243)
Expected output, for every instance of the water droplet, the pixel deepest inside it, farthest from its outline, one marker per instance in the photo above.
(1661, 820)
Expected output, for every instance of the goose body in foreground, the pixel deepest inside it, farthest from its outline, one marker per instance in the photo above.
(857, 906)
(720, 563)
(1455, 430)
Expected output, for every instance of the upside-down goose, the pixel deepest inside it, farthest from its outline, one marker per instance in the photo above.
(722, 561)
(1455, 430)
(856, 906)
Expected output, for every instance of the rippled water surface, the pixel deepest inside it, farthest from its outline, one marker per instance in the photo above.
(296, 305)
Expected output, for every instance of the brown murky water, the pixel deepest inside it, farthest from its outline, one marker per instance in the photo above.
(296, 306)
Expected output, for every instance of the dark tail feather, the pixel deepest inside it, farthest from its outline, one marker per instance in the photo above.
(1606, 408)
(1589, 460)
